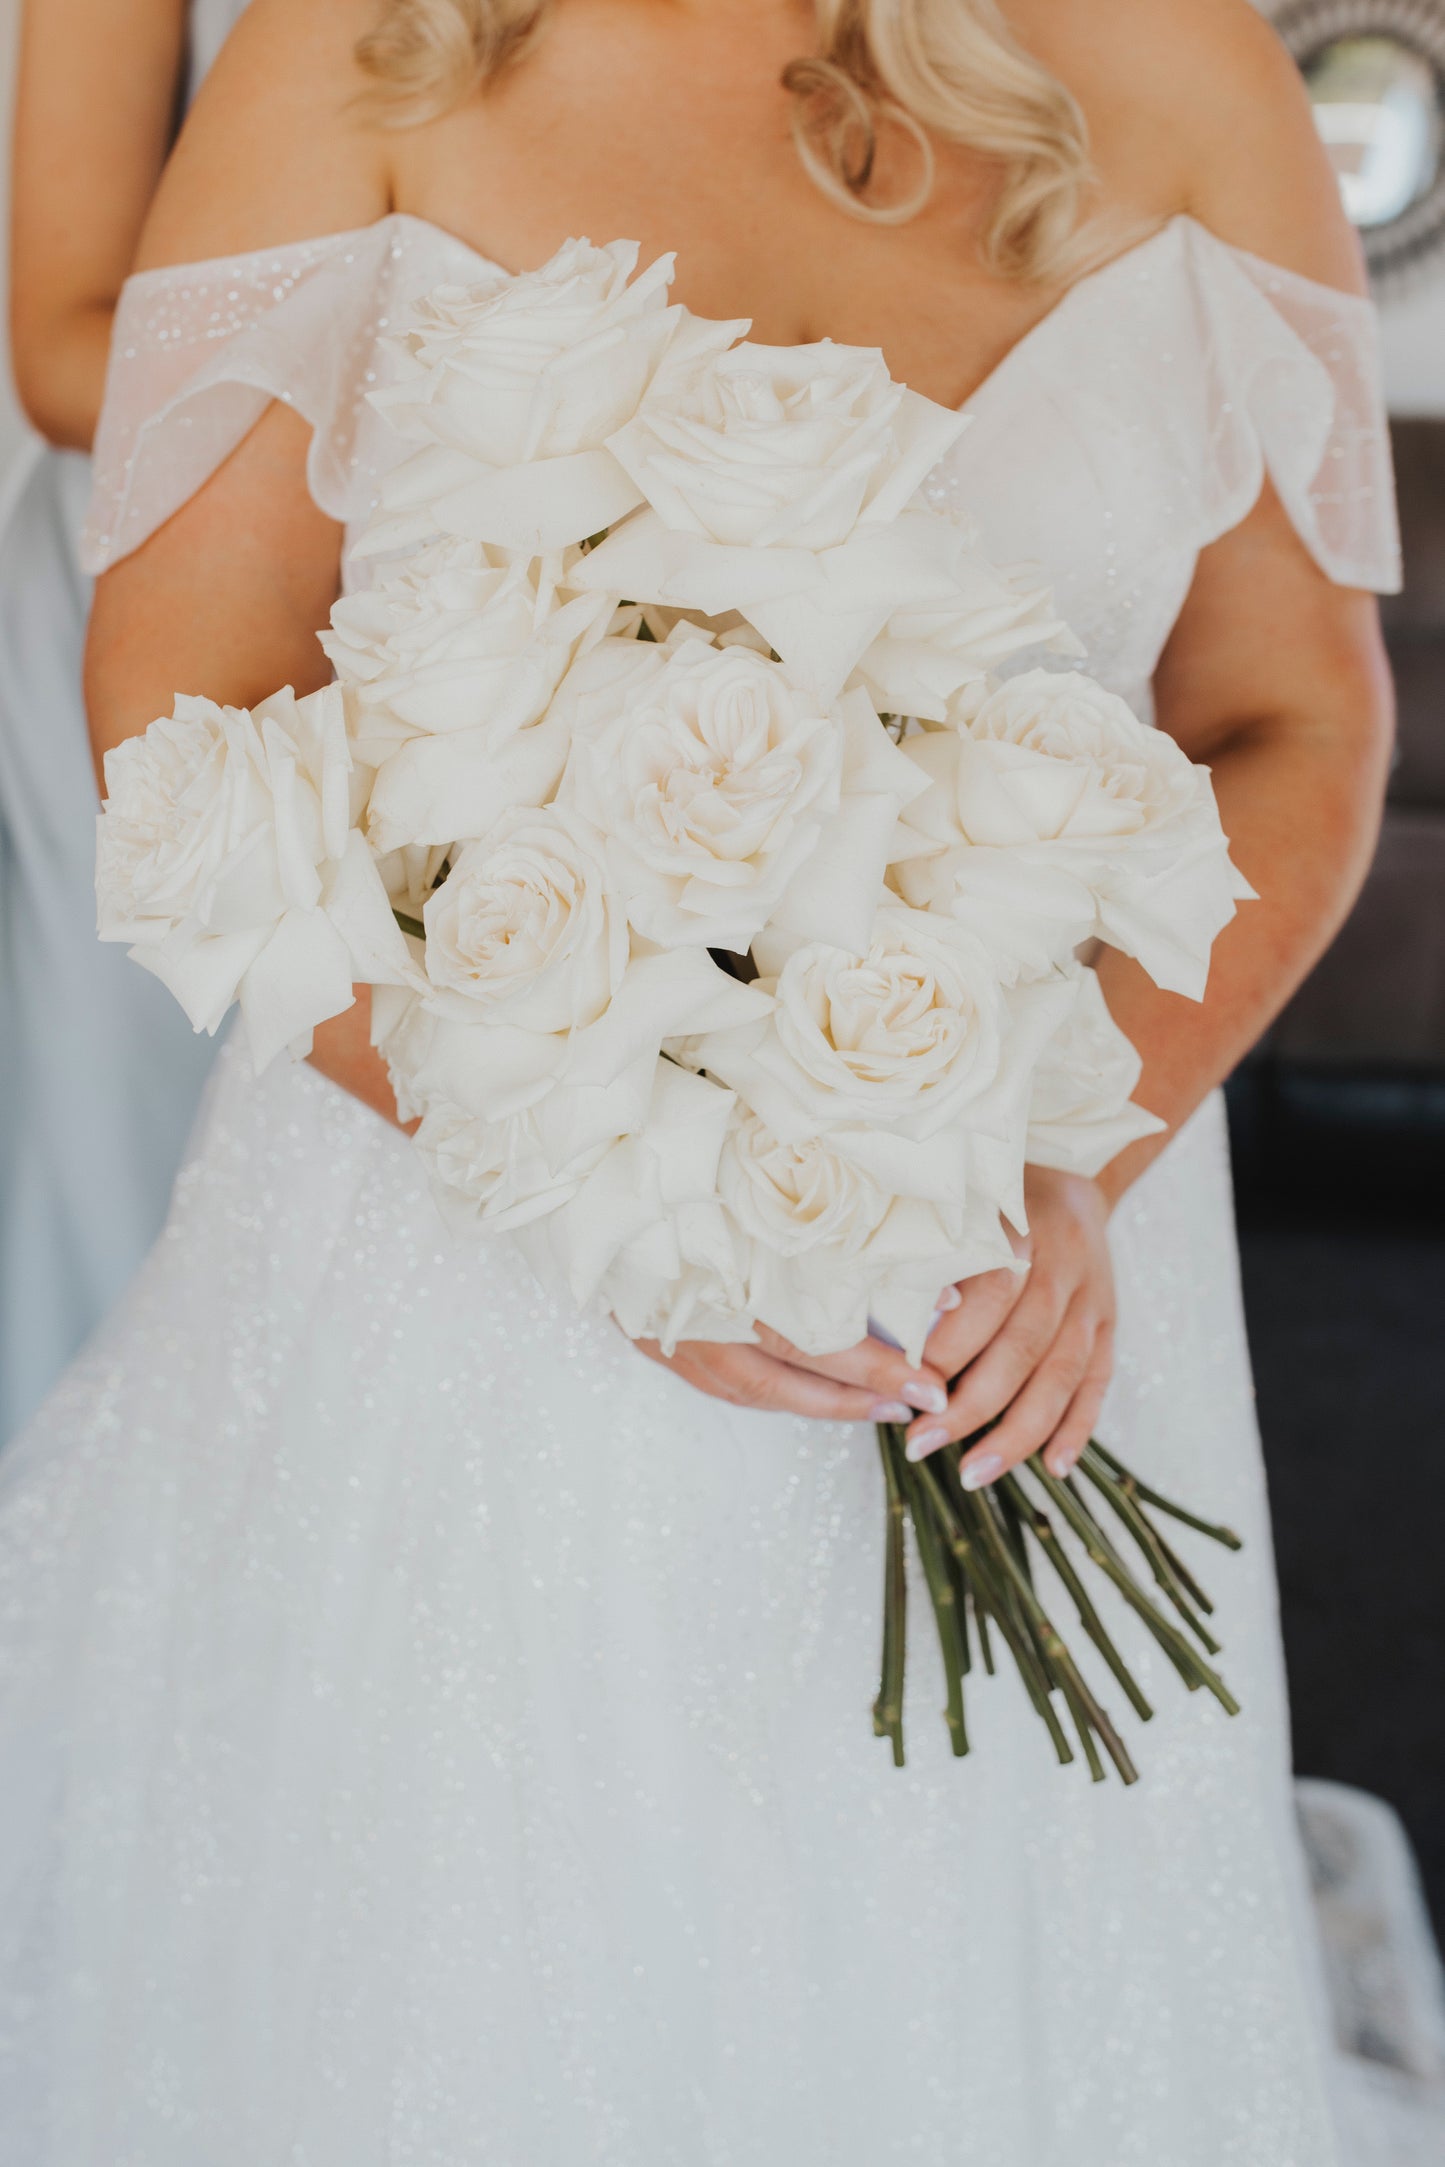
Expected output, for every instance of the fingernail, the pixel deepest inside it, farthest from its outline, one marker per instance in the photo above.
(949, 1299)
(892, 1411)
(1064, 1461)
(927, 1397)
(973, 1474)
(926, 1440)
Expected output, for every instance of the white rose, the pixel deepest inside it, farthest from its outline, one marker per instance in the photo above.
(778, 487)
(226, 857)
(644, 1236)
(1109, 819)
(908, 1056)
(796, 1196)
(909, 1029)
(526, 929)
(585, 1085)
(1080, 1114)
(709, 775)
(828, 1249)
(517, 383)
(450, 663)
(495, 1175)
(778, 447)
(456, 635)
(926, 654)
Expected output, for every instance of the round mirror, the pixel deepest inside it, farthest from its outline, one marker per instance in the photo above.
(1376, 76)
(1376, 107)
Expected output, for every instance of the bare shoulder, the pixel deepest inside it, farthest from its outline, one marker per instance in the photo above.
(1195, 105)
(278, 146)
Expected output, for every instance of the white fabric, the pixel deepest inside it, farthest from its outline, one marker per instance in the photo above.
(100, 1075)
(431, 1736)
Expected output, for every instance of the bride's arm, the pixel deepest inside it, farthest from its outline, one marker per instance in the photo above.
(1277, 681)
(96, 90)
(1273, 677)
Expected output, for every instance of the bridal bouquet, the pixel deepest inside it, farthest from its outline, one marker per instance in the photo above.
(718, 829)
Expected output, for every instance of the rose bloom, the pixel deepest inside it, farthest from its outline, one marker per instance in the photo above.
(515, 386)
(911, 1027)
(457, 637)
(797, 1196)
(894, 1053)
(645, 1237)
(709, 776)
(225, 855)
(782, 447)
(450, 664)
(828, 1248)
(1048, 782)
(779, 486)
(495, 1174)
(526, 929)
(535, 366)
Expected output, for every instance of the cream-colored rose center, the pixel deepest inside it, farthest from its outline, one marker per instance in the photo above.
(887, 1013)
(511, 926)
(708, 776)
(799, 1194)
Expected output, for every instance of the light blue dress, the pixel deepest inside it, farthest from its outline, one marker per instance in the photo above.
(99, 1072)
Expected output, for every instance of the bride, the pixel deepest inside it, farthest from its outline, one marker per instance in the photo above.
(433, 1733)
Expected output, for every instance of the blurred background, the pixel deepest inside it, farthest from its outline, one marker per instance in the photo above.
(1339, 1134)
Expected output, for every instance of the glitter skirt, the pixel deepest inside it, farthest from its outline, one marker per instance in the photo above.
(433, 1736)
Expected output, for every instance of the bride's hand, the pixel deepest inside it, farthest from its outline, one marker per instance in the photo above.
(1038, 1344)
(867, 1383)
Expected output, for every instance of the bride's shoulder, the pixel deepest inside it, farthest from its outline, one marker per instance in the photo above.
(279, 145)
(1196, 106)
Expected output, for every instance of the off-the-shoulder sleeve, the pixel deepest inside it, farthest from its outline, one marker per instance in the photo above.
(200, 350)
(1292, 383)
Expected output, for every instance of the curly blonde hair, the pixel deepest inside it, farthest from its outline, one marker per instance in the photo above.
(945, 69)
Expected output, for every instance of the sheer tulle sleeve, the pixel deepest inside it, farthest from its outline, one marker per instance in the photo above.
(200, 350)
(1293, 388)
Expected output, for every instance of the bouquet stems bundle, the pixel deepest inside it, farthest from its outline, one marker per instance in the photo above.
(979, 1551)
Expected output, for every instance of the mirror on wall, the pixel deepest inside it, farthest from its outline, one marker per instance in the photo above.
(1376, 76)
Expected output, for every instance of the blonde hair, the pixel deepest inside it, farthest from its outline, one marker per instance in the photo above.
(946, 69)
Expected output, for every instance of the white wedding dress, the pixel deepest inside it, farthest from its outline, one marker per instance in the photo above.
(99, 1074)
(432, 1736)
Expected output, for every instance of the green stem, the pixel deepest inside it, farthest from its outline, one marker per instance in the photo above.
(1132, 1517)
(1146, 1496)
(985, 1644)
(410, 925)
(976, 1541)
(1181, 1652)
(1042, 1529)
(1083, 1706)
(943, 1594)
(888, 1708)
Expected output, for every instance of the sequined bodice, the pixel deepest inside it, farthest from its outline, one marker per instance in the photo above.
(1128, 430)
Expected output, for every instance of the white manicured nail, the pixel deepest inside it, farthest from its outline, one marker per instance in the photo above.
(893, 1411)
(949, 1299)
(975, 1473)
(924, 1441)
(929, 1399)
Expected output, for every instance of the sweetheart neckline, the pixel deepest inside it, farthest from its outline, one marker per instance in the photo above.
(1088, 283)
